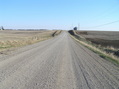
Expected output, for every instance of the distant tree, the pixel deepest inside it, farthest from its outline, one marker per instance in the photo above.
(75, 28)
(1, 28)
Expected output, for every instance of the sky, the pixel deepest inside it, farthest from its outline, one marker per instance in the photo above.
(60, 14)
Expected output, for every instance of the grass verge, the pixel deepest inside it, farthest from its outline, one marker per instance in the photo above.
(109, 57)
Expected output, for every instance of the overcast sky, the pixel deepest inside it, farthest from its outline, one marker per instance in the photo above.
(60, 14)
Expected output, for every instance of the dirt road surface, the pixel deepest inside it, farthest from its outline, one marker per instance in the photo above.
(58, 63)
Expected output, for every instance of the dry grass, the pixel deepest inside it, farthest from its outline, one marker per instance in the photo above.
(105, 55)
(112, 48)
(106, 41)
(58, 32)
(9, 39)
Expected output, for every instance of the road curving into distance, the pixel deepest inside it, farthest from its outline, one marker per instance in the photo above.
(58, 63)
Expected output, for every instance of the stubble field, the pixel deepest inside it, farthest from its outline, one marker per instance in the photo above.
(17, 38)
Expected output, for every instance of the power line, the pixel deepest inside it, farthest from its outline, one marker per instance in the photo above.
(103, 24)
(109, 9)
(107, 12)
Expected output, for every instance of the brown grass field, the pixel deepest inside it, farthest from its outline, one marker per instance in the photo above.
(17, 38)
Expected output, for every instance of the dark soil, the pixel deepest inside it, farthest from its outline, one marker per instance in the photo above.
(103, 38)
(104, 43)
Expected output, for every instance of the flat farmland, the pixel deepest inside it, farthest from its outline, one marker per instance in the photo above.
(16, 38)
(103, 38)
(58, 63)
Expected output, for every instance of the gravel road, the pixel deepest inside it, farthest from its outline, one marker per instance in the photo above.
(58, 63)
